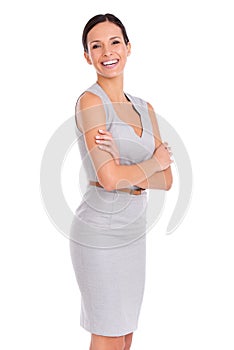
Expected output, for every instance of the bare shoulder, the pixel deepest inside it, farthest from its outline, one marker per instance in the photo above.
(84, 108)
(155, 126)
(87, 100)
(150, 107)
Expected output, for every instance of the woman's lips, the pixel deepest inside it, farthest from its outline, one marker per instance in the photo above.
(110, 64)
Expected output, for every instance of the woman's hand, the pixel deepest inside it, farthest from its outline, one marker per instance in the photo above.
(106, 143)
(162, 155)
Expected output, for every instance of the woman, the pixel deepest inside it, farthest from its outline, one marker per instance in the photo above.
(122, 154)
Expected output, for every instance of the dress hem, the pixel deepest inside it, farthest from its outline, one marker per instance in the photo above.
(119, 334)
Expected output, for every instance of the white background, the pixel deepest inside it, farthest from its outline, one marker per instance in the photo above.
(182, 63)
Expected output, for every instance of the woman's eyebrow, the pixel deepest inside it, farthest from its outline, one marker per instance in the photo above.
(115, 37)
(95, 41)
(98, 41)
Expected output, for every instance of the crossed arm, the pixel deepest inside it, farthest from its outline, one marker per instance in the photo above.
(90, 117)
(161, 180)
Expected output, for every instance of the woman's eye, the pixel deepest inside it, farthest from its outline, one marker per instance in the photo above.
(95, 46)
(115, 42)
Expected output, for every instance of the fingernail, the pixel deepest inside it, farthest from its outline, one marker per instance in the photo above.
(100, 130)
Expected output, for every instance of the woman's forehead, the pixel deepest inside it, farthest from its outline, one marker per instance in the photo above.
(104, 30)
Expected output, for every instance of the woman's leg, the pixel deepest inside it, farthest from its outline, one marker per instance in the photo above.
(100, 342)
(128, 341)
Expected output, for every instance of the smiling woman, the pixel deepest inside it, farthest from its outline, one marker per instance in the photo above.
(101, 19)
(107, 50)
(107, 237)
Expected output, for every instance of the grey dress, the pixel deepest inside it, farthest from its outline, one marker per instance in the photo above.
(108, 233)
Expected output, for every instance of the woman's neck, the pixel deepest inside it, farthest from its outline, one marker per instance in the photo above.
(113, 88)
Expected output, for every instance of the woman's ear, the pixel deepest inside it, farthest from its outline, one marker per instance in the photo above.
(86, 55)
(129, 47)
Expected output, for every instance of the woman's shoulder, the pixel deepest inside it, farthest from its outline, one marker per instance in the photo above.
(88, 99)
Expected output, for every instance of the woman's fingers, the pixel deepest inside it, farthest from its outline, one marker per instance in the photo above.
(104, 132)
(106, 143)
(103, 142)
(168, 148)
(104, 148)
(103, 137)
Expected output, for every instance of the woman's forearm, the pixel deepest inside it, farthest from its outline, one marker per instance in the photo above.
(129, 175)
(160, 180)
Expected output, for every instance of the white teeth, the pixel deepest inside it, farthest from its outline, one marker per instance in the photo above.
(109, 62)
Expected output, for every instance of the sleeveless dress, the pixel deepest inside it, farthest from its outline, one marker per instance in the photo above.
(108, 232)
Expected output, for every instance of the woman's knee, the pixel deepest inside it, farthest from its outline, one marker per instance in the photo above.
(100, 342)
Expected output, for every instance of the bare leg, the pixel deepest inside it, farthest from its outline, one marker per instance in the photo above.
(90, 347)
(100, 342)
(128, 341)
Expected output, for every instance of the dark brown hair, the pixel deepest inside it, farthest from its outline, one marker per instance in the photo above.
(99, 19)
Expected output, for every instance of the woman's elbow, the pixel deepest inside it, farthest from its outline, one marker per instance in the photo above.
(169, 181)
(168, 186)
(111, 180)
(106, 184)
(107, 181)
(108, 187)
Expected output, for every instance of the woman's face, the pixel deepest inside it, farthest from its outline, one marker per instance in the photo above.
(107, 51)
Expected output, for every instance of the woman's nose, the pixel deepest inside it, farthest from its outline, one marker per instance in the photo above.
(107, 51)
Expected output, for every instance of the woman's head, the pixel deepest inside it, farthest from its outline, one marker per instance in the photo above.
(106, 45)
(100, 19)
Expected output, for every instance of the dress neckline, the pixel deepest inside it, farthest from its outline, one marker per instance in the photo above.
(129, 97)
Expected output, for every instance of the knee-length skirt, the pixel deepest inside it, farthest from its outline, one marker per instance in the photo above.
(108, 253)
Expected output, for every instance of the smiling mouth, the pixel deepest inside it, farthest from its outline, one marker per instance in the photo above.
(110, 63)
